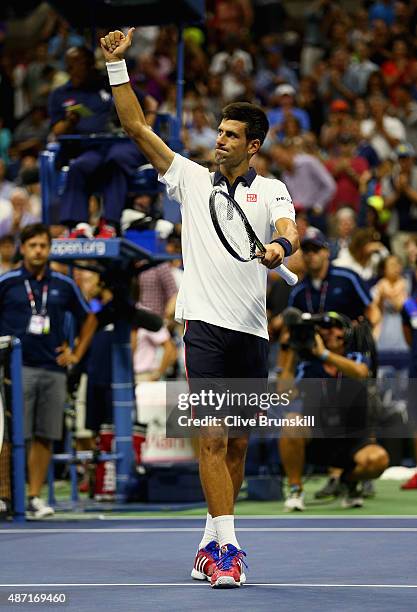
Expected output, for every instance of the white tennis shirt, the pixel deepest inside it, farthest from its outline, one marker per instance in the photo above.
(216, 288)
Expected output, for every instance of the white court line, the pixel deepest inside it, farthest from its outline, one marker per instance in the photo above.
(194, 584)
(268, 517)
(198, 529)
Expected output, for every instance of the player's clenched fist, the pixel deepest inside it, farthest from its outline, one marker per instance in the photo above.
(114, 45)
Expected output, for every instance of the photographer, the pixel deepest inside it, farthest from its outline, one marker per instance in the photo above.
(319, 347)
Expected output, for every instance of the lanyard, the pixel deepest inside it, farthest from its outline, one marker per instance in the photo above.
(31, 298)
(323, 295)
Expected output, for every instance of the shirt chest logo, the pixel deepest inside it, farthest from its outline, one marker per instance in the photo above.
(251, 197)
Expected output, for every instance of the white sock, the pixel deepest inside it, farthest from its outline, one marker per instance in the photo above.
(225, 527)
(210, 532)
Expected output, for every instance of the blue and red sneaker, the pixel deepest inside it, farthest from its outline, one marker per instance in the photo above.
(229, 572)
(205, 561)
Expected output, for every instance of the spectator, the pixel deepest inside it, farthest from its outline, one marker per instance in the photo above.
(384, 10)
(5, 141)
(345, 225)
(346, 168)
(362, 68)
(400, 192)
(406, 111)
(62, 40)
(154, 354)
(309, 101)
(33, 304)
(200, 137)
(283, 103)
(337, 123)
(311, 186)
(18, 215)
(398, 70)
(158, 290)
(364, 254)
(389, 294)
(6, 187)
(383, 132)
(338, 82)
(273, 73)
(7, 253)
(380, 42)
(29, 137)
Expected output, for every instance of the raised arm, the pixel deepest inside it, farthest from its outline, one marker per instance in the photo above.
(114, 46)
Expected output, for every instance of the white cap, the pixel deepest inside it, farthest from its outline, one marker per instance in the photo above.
(285, 89)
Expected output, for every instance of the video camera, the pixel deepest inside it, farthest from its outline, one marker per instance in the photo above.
(303, 327)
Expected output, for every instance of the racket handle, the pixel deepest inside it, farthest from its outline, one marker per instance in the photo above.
(287, 275)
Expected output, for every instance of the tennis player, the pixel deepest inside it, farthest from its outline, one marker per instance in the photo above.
(221, 300)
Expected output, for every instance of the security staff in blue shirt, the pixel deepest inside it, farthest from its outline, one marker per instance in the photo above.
(330, 288)
(34, 301)
(84, 106)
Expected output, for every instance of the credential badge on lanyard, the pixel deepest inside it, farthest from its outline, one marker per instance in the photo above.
(39, 322)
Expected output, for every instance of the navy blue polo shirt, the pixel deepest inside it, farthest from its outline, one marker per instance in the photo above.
(96, 96)
(342, 291)
(39, 351)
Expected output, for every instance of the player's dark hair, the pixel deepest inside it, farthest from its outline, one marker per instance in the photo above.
(34, 229)
(257, 124)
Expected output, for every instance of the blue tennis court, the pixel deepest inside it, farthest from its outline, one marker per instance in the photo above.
(318, 563)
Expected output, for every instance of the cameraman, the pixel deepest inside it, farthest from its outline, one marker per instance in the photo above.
(323, 352)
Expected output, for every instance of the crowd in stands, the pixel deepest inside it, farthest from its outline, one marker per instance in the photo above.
(340, 89)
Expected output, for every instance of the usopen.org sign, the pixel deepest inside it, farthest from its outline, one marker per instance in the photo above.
(78, 248)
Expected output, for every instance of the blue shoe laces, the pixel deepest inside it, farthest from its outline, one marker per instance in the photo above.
(226, 558)
(213, 548)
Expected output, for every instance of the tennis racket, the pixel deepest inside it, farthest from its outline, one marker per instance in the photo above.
(236, 233)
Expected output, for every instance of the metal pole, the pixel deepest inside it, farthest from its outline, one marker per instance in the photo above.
(123, 404)
(180, 87)
(18, 437)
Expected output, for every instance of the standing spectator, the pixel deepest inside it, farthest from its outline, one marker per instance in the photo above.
(389, 294)
(33, 303)
(383, 132)
(338, 81)
(61, 41)
(361, 67)
(400, 191)
(310, 184)
(5, 141)
(346, 169)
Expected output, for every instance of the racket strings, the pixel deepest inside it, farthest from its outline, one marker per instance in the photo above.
(233, 227)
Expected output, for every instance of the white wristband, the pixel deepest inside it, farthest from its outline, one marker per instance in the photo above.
(117, 71)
